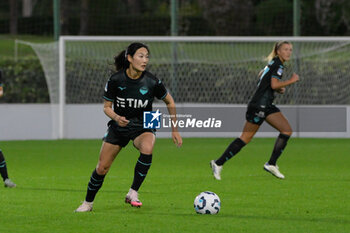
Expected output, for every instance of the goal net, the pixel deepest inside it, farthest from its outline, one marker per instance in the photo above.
(211, 69)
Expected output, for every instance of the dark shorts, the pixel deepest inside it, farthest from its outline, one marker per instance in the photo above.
(257, 115)
(122, 138)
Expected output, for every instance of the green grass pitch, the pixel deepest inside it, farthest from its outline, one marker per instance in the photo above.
(52, 178)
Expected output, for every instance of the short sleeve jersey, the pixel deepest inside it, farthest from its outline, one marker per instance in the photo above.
(264, 94)
(131, 97)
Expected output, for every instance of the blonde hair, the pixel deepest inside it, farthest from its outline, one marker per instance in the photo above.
(276, 47)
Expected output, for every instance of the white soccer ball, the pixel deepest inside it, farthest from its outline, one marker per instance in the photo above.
(207, 203)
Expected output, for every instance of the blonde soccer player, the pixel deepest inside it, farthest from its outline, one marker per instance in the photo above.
(261, 108)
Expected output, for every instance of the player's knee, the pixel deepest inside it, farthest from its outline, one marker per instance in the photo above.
(102, 169)
(288, 132)
(147, 150)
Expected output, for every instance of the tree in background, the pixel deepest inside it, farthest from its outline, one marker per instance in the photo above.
(13, 17)
(228, 17)
(84, 17)
(134, 6)
(333, 15)
(64, 16)
(274, 18)
(196, 17)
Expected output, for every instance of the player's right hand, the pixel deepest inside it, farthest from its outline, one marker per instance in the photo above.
(177, 139)
(294, 78)
(122, 121)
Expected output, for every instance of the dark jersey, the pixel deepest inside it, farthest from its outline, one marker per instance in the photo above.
(131, 97)
(264, 94)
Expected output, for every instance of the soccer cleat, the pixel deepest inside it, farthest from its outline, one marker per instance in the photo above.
(274, 170)
(216, 170)
(9, 184)
(85, 207)
(132, 198)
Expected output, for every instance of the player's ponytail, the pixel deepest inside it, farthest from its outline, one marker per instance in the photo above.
(121, 60)
(275, 48)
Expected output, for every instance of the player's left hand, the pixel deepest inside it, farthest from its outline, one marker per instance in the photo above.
(177, 139)
(281, 90)
(1, 92)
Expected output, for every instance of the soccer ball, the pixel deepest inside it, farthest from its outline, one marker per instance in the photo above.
(207, 203)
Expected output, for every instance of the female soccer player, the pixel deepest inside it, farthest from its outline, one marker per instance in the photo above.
(131, 91)
(261, 108)
(3, 169)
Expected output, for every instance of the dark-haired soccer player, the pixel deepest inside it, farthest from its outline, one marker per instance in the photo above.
(130, 91)
(261, 108)
(3, 169)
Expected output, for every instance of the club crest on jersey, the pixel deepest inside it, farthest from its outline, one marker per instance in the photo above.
(280, 71)
(256, 119)
(143, 90)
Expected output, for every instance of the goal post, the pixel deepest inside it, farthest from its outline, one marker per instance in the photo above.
(62, 86)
